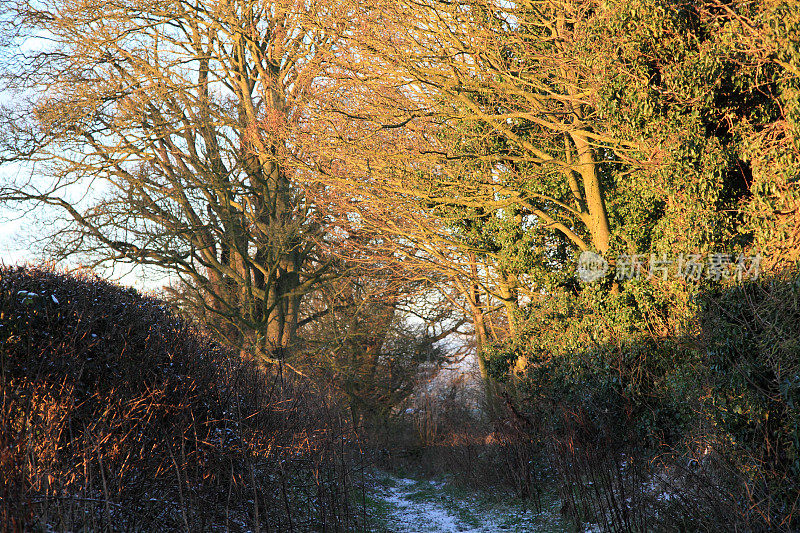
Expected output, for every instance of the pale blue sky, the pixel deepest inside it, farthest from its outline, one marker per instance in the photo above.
(10, 251)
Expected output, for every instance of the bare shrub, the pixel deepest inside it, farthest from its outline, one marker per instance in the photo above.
(117, 415)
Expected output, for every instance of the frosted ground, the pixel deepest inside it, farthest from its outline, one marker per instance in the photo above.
(405, 505)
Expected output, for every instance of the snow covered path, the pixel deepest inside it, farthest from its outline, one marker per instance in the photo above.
(423, 506)
(425, 515)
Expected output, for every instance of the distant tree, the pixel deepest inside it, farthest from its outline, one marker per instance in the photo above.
(361, 340)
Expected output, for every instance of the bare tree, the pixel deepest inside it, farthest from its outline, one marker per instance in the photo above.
(501, 87)
(181, 119)
(472, 146)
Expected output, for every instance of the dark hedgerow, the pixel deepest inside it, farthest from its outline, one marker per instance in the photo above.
(116, 414)
(752, 337)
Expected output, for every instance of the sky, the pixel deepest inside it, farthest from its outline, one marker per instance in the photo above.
(19, 228)
(11, 252)
(14, 251)
(12, 226)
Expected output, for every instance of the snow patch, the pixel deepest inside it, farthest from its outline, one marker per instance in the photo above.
(412, 515)
(417, 506)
